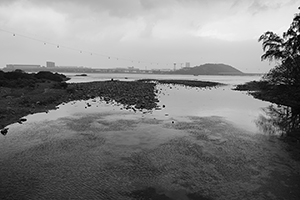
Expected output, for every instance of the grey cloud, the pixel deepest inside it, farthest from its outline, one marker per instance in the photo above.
(260, 5)
(117, 8)
(150, 4)
(257, 7)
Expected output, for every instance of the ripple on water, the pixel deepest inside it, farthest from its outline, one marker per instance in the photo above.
(134, 156)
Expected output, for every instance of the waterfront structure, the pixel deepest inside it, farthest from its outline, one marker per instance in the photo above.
(50, 64)
(187, 65)
(12, 67)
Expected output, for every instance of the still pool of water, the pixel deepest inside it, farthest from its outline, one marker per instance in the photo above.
(236, 106)
(232, 80)
(202, 144)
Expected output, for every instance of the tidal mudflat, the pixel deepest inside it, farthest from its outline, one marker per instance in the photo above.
(105, 151)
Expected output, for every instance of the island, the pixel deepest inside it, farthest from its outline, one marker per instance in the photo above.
(209, 69)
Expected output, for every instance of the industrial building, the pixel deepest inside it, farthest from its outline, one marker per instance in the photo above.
(12, 67)
(50, 64)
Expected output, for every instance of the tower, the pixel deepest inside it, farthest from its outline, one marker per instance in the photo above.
(50, 64)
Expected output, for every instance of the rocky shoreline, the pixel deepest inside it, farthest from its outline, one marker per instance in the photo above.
(43, 95)
(190, 83)
(19, 102)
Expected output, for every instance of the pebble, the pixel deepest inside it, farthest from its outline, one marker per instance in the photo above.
(20, 121)
(4, 131)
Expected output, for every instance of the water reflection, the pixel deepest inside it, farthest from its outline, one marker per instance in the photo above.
(279, 120)
(236, 107)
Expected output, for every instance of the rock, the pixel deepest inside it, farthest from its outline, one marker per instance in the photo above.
(23, 120)
(4, 131)
(20, 121)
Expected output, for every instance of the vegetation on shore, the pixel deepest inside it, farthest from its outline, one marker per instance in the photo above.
(23, 93)
(278, 94)
(281, 85)
(209, 69)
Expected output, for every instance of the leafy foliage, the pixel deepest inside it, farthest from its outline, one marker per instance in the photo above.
(20, 79)
(287, 73)
(285, 50)
(50, 76)
(272, 44)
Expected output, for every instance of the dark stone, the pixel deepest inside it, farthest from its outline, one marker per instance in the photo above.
(4, 131)
(23, 120)
(20, 121)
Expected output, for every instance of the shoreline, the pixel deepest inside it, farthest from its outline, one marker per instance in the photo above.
(287, 115)
(136, 95)
(281, 95)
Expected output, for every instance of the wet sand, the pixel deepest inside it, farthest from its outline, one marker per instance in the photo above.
(120, 154)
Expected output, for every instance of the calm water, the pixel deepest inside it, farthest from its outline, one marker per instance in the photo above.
(103, 76)
(202, 144)
(237, 107)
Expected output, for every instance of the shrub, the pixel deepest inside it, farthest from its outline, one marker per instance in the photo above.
(49, 76)
(61, 85)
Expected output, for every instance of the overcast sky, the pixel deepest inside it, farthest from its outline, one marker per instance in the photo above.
(140, 33)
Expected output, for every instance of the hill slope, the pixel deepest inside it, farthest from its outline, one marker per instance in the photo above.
(209, 69)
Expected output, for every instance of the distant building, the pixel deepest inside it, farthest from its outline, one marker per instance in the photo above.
(163, 70)
(132, 69)
(71, 69)
(187, 65)
(12, 67)
(50, 64)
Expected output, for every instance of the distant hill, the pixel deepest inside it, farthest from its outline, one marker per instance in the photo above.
(210, 69)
